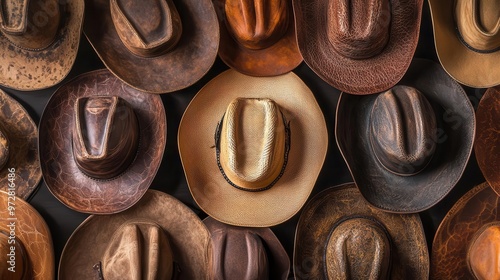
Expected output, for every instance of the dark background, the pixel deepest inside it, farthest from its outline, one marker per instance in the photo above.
(170, 177)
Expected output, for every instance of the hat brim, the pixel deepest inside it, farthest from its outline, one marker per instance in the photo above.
(22, 133)
(487, 143)
(454, 139)
(308, 146)
(177, 69)
(32, 231)
(479, 70)
(476, 208)
(188, 237)
(358, 76)
(29, 70)
(61, 173)
(279, 58)
(409, 255)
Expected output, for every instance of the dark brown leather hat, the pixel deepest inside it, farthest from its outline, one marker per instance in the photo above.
(487, 144)
(340, 236)
(406, 148)
(258, 36)
(38, 41)
(246, 253)
(357, 46)
(116, 140)
(154, 46)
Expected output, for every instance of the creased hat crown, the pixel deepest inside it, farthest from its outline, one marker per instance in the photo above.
(484, 252)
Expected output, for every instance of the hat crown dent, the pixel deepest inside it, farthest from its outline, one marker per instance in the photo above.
(147, 28)
(22, 268)
(357, 29)
(257, 24)
(4, 149)
(483, 256)
(402, 130)
(358, 248)
(478, 23)
(105, 136)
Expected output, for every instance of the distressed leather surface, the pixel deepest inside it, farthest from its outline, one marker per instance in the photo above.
(484, 251)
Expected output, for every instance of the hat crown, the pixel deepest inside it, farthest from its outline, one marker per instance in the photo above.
(105, 136)
(22, 269)
(257, 24)
(147, 28)
(358, 248)
(30, 24)
(484, 251)
(402, 130)
(4, 149)
(357, 29)
(478, 23)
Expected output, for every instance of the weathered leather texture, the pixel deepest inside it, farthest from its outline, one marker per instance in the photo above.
(61, 173)
(483, 252)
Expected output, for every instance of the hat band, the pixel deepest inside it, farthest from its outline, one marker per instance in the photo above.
(218, 131)
(98, 271)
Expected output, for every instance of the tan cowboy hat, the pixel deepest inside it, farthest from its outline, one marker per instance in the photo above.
(38, 42)
(158, 238)
(258, 37)
(340, 235)
(154, 46)
(487, 143)
(25, 241)
(101, 143)
(246, 253)
(358, 47)
(467, 241)
(411, 144)
(270, 144)
(467, 39)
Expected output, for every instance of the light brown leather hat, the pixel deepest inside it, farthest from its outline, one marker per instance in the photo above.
(22, 228)
(406, 148)
(18, 149)
(487, 143)
(258, 37)
(38, 41)
(467, 39)
(101, 143)
(359, 47)
(340, 236)
(154, 46)
(158, 238)
(467, 242)
(270, 144)
(246, 253)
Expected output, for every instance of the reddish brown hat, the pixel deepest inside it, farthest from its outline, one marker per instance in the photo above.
(258, 37)
(101, 143)
(357, 46)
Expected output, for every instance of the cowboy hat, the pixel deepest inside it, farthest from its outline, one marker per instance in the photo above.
(154, 46)
(157, 238)
(116, 140)
(246, 253)
(270, 144)
(487, 143)
(358, 47)
(25, 241)
(406, 148)
(339, 234)
(18, 149)
(467, 39)
(38, 42)
(258, 37)
(467, 240)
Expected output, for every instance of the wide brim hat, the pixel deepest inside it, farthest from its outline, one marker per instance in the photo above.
(22, 133)
(308, 146)
(279, 58)
(358, 76)
(63, 177)
(454, 141)
(188, 237)
(410, 258)
(474, 69)
(188, 61)
(30, 230)
(24, 69)
(487, 143)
